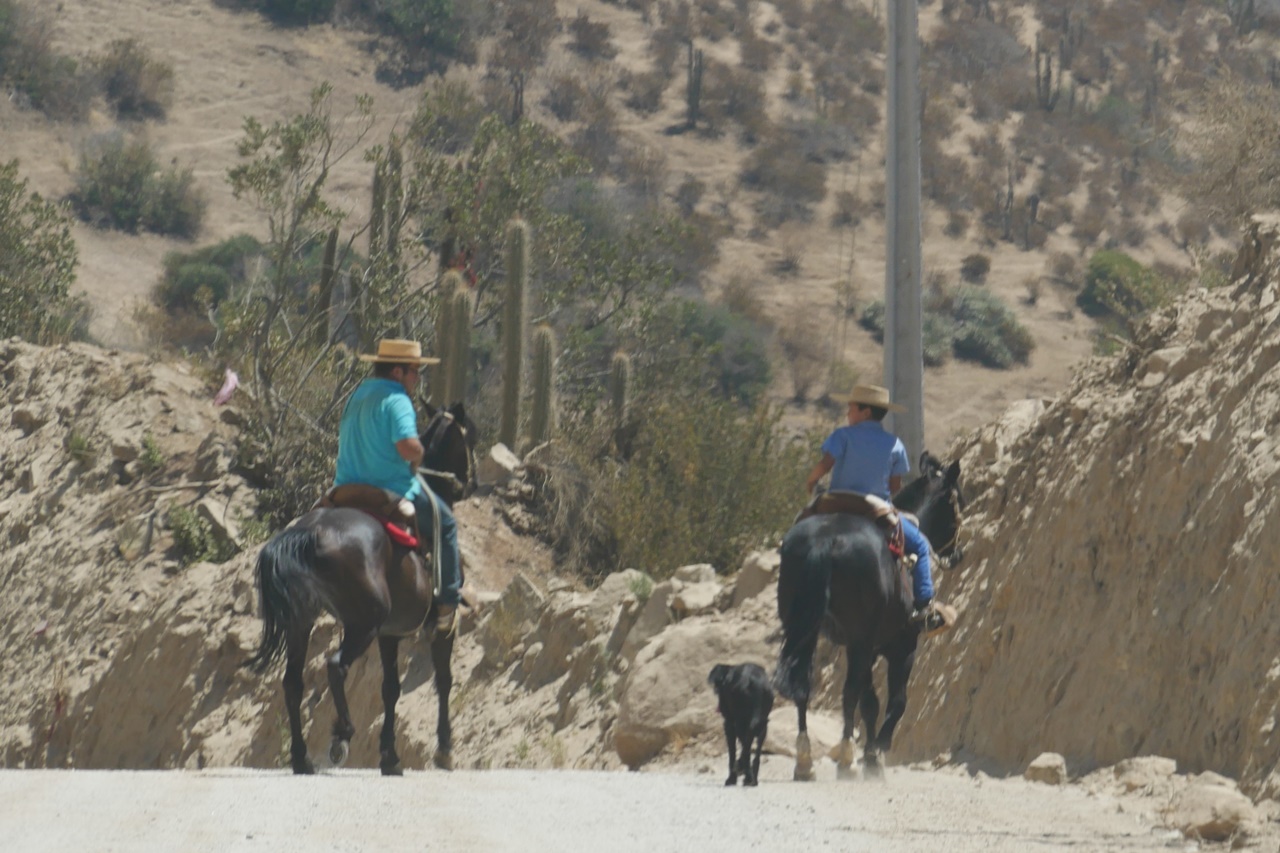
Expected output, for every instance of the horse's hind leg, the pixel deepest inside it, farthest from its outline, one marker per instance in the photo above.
(804, 753)
(296, 659)
(354, 643)
(899, 672)
(441, 655)
(388, 648)
(858, 678)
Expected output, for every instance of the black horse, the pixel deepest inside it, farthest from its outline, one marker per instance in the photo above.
(341, 560)
(837, 573)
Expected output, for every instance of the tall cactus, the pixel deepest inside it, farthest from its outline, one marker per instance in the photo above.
(542, 418)
(513, 331)
(377, 207)
(619, 382)
(1047, 91)
(324, 298)
(394, 199)
(441, 392)
(459, 358)
(693, 86)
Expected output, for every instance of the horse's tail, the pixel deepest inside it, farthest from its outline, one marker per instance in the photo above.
(288, 592)
(804, 589)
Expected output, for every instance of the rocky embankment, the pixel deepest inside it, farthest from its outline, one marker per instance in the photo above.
(1120, 578)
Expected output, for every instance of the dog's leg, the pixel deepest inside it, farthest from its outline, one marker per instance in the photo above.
(732, 741)
(754, 778)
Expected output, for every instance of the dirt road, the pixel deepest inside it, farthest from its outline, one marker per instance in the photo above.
(361, 812)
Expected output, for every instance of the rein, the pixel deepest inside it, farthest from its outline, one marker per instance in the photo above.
(444, 418)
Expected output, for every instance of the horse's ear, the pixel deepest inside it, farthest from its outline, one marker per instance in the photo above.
(459, 410)
(429, 409)
(953, 473)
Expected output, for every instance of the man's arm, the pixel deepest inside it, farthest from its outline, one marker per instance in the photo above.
(819, 471)
(410, 450)
(895, 484)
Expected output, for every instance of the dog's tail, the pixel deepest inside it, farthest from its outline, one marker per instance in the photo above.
(804, 588)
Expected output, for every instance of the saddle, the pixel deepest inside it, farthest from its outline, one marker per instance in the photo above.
(396, 513)
(883, 513)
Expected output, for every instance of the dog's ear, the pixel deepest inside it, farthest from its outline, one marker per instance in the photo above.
(719, 673)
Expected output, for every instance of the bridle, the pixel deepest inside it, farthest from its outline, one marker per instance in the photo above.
(436, 431)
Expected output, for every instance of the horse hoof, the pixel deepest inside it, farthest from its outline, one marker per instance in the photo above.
(393, 770)
(749, 783)
(443, 760)
(873, 771)
(731, 781)
(303, 767)
(804, 774)
(846, 772)
(338, 751)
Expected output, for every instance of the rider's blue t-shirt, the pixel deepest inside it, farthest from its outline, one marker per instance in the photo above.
(866, 455)
(378, 415)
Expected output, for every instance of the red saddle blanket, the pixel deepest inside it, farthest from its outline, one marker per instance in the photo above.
(395, 513)
(398, 534)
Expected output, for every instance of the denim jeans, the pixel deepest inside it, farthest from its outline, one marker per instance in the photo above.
(921, 577)
(450, 573)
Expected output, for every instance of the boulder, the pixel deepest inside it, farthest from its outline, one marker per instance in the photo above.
(1211, 808)
(1048, 767)
(759, 571)
(695, 599)
(665, 693)
(655, 615)
(497, 467)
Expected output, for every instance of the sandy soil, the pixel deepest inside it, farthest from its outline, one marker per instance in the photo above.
(359, 812)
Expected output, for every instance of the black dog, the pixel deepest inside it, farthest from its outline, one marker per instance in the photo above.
(745, 702)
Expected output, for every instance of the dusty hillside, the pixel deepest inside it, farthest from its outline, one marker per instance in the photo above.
(229, 65)
(1120, 575)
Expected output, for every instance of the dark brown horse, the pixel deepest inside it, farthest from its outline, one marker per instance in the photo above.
(838, 575)
(342, 561)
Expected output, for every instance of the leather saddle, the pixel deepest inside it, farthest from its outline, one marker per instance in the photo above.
(395, 512)
(883, 513)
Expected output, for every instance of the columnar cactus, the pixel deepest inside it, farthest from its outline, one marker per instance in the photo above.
(459, 346)
(619, 380)
(542, 418)
(324, 296)
(377, 208)
(693, 85)
(441, 392)
(395, 198)
(513, 329)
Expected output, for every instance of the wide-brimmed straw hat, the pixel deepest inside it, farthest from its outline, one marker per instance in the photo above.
(874, 395)
(395, 351)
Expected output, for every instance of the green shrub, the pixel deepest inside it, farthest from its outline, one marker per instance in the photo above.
(120, 185)
(1117, 285)
(706, 482)
(987, 331)
(33, 70)
(202, 278)
(297, 11)
(194, 538)
(974, 268)
(134, 83)
(37, 266)
(970, 322)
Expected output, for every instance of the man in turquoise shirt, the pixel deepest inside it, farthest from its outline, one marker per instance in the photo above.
(866, 458)
(378, 445)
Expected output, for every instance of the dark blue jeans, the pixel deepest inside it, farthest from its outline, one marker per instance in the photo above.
(450, 574)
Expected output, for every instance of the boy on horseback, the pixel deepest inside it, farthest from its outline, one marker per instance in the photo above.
(378, 435)
(870, 460)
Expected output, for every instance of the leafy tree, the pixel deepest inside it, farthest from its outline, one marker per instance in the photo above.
(37, 266)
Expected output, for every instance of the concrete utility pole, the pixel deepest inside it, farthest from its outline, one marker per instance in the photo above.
(903, 338)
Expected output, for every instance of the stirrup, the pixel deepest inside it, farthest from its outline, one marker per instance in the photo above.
(446, 619)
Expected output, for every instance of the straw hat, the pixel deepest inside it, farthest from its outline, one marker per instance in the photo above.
(874, 395)
(395, 351)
